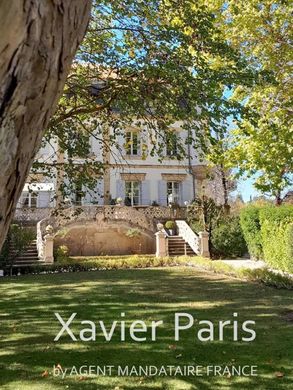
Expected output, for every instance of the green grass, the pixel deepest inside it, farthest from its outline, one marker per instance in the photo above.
(28, 327)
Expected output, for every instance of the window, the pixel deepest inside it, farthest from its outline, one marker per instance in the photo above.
(173, 192)
(78, 195)
(29, 199)
(132, 145)
(132, 193)
(171, 144)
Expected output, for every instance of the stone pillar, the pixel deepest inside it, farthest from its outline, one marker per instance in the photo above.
(48, 248)
(161, 242)
(204, 244)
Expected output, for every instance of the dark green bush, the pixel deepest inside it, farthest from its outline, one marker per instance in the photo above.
(227, 238)
(250, 225)
(277, 236)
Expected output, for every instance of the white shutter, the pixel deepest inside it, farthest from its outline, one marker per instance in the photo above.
(145, 193)
(120, 189)
(186, 191)
(162, 191)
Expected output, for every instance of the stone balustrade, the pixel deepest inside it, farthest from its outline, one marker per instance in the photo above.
(28, 214)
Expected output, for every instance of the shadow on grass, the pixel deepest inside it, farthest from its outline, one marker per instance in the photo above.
(28, 327)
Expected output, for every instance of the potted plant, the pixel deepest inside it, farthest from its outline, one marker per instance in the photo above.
(170, 226)
(119, 201)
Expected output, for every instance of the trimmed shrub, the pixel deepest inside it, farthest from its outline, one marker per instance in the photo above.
(61, 253)
(227, 238)
(250, 225)
(277, 236)
(170, 225)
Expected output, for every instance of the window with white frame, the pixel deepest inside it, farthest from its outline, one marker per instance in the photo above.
(132, 193)
(173, 192)
(132, 143)
(29, 199)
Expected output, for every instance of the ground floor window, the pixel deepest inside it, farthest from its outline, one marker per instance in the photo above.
(29, 199)
(173, 192)
(132, 193)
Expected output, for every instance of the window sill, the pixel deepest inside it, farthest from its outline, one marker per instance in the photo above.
(130, 157)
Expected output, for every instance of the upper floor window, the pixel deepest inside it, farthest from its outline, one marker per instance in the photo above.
(132, 193)
(171, 144)
(132, 145)
(29, 199)
(173, 192)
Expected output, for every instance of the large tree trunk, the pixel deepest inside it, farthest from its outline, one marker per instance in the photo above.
(38, 40)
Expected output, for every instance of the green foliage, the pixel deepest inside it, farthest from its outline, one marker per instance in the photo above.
(66, 264)
(102, 263)
(250, 225)
(133, 233)
(165, 60)
(61, 253)
(268, 231)
(265, 276)
(227, 239)
(17, 239)
(170, 225)
(262, 141)
(204, 214)
(276, 235)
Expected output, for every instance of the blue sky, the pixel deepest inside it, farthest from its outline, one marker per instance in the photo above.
(246, 189)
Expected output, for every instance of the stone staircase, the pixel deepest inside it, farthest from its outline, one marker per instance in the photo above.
(28, 257)
(177, 246)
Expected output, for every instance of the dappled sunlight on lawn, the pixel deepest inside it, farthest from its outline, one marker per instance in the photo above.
(29, 326)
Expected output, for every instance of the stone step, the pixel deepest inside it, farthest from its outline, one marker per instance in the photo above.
(26, 258)
(177, 246)
(28, 263)
(172, 254)
(33, 250)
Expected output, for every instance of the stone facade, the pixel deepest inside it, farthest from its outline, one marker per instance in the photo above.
(136, 178)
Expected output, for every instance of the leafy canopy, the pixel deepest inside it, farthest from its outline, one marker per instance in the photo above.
(147, 64)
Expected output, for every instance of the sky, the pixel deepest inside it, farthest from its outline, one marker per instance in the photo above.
(246, 189)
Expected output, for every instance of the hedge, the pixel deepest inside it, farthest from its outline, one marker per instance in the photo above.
(250, 225)
(277, 236)
(261, 275)
(227, 238)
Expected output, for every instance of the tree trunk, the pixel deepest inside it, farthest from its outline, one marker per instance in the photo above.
(225, 190)
(278, 199)
(38, 40)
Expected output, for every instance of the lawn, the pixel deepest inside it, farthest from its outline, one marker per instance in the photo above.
(28, 327)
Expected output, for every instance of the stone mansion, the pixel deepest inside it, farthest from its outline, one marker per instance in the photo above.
(132, 196)
(130, 177)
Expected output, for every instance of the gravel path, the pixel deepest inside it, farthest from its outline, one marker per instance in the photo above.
(245, 263)
(252, 264)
